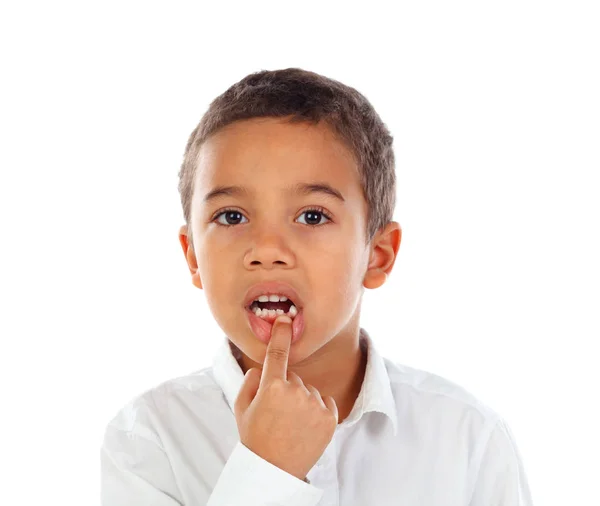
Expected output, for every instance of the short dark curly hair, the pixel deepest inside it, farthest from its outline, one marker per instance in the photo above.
(306, 97)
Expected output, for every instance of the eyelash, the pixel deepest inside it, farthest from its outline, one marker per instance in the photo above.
(319, 210)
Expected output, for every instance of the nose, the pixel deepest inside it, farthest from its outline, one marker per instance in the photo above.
(269, 249)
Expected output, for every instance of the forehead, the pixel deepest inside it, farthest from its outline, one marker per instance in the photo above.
(270, 153)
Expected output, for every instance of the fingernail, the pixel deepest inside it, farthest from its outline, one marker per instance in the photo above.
(284, 319)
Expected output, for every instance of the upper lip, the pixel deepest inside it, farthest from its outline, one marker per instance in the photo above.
(272, 287)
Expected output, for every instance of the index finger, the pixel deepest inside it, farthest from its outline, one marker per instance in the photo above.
(278, 349)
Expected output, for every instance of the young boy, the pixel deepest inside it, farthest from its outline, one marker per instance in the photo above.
(288, 190)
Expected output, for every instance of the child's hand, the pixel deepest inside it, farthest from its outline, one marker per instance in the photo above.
(279, 418)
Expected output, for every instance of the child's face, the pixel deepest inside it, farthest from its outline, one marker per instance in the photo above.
(273, 238)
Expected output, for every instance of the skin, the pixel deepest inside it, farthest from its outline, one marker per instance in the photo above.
(326, 261)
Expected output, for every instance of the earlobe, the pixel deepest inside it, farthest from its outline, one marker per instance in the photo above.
(190, 257)
(383, 255)
(193, 266)
(197, 282)
(374, 278)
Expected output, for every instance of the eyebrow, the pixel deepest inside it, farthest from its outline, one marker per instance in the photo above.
(300, 189)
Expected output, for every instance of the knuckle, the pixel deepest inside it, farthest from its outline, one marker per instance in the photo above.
(315, 397)
(302, 395)
(238, 412)
(277, 385)
(277, 353)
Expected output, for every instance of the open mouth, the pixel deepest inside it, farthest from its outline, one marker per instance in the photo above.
(261, 317)
(270, 310)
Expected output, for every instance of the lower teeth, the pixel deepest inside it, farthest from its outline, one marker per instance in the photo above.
(274, 313)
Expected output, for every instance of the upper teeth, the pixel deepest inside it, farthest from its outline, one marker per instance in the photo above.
(293, 311)
(272, 298)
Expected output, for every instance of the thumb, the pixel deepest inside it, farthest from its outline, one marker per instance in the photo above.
(247, 391)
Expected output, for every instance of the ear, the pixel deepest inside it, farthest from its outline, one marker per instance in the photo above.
(384, 250)
(190, 256)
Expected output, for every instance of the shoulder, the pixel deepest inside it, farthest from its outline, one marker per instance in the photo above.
(141, 415)
(436, 411)
(417, 389)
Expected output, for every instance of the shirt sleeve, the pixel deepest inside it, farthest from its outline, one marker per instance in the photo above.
(249, 480)
(135, 471)
(500, 479)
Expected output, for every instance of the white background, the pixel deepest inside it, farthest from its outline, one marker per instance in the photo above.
(494, 107)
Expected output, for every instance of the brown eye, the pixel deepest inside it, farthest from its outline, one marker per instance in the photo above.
(231, 218)
(313, 217)
(234, 217)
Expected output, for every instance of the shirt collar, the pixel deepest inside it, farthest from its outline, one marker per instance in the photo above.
(375, 393)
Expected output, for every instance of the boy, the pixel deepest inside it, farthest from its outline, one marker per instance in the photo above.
(288, 191)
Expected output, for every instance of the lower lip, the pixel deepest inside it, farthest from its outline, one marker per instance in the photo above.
(262, 328)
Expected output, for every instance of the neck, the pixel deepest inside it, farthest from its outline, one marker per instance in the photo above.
(347, 398)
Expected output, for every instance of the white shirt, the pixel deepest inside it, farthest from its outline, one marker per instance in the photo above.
(412, 438)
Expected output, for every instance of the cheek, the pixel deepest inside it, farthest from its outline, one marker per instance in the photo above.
(218, 279)
(339, 275)
(220, 240)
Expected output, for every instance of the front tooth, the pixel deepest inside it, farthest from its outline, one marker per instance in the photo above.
(263, 298)
(272, 313)
(283, 298)
(273, 298)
